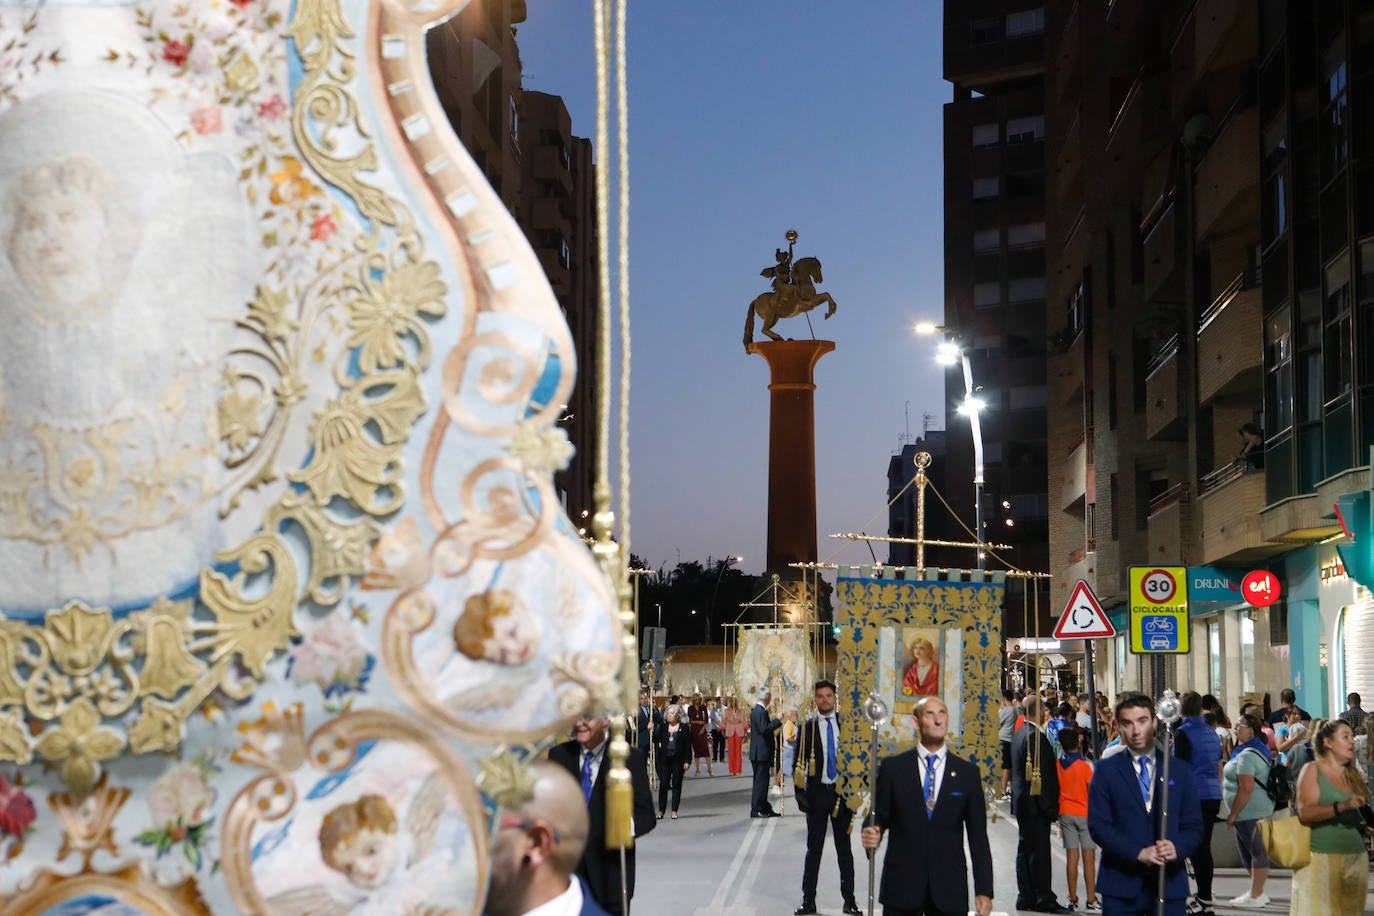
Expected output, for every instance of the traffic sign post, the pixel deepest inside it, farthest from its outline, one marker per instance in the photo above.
(1083, 618)
(1159, 610)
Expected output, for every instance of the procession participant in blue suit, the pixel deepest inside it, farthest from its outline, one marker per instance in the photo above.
(1125, 802)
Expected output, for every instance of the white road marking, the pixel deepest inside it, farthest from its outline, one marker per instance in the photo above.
(727, 883)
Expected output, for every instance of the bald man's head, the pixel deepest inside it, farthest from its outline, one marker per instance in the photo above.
(538, 844)
(558, 801)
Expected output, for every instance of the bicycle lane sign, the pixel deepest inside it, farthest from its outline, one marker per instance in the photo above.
(1159, 610)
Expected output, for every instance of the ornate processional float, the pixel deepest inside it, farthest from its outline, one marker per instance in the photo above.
(282, 568)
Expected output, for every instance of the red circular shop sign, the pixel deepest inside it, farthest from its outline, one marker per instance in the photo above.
(1260, 588)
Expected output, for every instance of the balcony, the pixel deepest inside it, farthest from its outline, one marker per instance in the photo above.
(1163, 255)
(1080, 564)
(1141, 124)
(1297, 520)
(547, 215)
(1065, 65)
(551, 164)
(1074, 475)
(1170, 527)
(1229, 505)
(1068, 159)
(1228, 176)
(1230, 346)
(1225, 33)
(1163, 401)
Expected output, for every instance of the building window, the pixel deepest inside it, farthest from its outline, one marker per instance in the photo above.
(1338, 347)
(1026, 130)
(1214, 646)
(1274, 166)
(1278, 623)
(514, 122)
(1247, 653)
(987, 240)
(1278, 365)
(1026, 235)
(1336, 120)
(1365, 291)
(987, 294)
(986, 135)
(1025, 24)
(986, 31)
(984, 188)
(1029, 289)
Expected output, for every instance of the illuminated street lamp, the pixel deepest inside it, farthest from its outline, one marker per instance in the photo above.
(948, 353)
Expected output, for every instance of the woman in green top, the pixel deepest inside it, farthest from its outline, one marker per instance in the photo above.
(1331, 790)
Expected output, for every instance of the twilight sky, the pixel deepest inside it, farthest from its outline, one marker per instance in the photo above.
(748, 119)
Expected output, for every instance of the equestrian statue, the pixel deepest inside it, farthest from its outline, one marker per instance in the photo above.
(793, 293)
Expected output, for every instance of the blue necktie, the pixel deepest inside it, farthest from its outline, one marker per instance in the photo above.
(587, 775)
(832, 770)
(931, 761)
(1144, 778)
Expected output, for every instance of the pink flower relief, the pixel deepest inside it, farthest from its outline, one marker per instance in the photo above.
(175, 52)
(206, 119)
(324, 227)
(273, 108)
(180, 798)
(202, 57)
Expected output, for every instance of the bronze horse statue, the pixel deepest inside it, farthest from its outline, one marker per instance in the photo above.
(787, 300)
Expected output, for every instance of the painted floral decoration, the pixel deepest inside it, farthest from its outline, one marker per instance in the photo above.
(332, 655)
(17, 815)
(180, 802)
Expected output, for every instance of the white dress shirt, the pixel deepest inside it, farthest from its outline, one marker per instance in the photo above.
(568, 903)
(825, 746)
(941, 759)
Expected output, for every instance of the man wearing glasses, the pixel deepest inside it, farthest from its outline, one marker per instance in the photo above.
(536, 851)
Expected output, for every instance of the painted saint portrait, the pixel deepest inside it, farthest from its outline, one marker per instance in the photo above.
(112, 361)
(921, 677)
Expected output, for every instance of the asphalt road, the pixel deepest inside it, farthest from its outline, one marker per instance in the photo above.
(717, 861)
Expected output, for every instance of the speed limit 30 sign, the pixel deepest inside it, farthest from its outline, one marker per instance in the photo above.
(1159, 610)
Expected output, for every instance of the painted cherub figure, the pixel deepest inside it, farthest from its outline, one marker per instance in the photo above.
(362, 840)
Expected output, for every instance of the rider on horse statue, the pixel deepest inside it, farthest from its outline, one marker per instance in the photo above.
(794, 292)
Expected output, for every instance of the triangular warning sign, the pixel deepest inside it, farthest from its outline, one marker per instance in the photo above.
(1083, 617)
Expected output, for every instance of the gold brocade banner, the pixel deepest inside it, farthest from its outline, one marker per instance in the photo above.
(907, 638)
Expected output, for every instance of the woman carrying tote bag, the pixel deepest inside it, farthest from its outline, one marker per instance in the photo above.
(1331, 792)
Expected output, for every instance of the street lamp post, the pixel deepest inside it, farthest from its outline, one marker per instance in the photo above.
(947, 354)
(711, 608)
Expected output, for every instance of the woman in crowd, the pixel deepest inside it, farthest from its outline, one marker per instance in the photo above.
(1331, 791)
(790, 733)
(736, 727)
(1248, 802)
(673, 751)
(701, 737)
(1204, 760)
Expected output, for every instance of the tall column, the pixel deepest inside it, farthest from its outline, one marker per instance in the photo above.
(791, 450)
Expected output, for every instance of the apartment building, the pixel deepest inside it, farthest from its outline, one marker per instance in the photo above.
(995, 283)
(524, 144)
(1210, 299)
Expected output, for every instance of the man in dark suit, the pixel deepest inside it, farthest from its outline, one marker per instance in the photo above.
(650, 718)
(586, 759)
(536, 850)
(1034, 813)
(930, 799)
(1125, 800)
(819, 749)
(761, 729)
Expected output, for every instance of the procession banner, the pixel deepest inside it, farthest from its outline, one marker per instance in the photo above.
(906, 638)
(779, 658)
